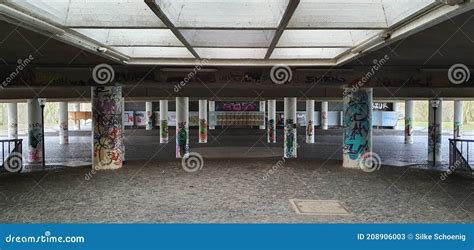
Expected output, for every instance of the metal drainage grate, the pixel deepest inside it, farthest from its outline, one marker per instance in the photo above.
(319, 207)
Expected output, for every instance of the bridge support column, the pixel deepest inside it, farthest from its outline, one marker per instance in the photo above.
(409, 109)
(271, 130)
(262, 108)
(212, 108)
(149, 115)
(324, 115)
(35, 134)
(357, 128)
(290, 144)
(310, 121)
(63, 123)
(458, 118)
(12, 120)
(182, 127)
(107, 127)
(203, 121)
(163, 121)
(77, 107)
(435, 118)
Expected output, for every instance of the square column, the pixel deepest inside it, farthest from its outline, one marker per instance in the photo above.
(409, 109)
(212, 108)
(163, 121)
(107, 127)
(271, 131)
(309, 121)
(324, 115)
(203, 121)
(262, 108)
(149, 115)
(357, 137)
(458, 119)
(182, 127)
(63, 123)
(435, 118)
(35, 134)
(290, 144)
(12, 120)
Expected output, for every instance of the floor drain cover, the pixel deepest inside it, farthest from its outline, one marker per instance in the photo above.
(319, 207)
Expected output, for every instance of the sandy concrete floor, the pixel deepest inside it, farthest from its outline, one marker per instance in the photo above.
(233, 191)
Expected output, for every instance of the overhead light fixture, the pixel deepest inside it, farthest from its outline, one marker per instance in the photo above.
(33, 23)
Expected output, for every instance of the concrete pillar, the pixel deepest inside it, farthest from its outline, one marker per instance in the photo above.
(122, 104)
(309, 121)
(458, 118)
(290, 144)
(149, 115)
(203, 121)
(409, 109)
(35, 133)
(262, 109)
(212, 108)
(163, 121)
(77, 107)
(63, 123)
(182, 127)
(357, 122)
(324, 115)
(271, 131)
(435, 118)
(107, 127)
(12, 120)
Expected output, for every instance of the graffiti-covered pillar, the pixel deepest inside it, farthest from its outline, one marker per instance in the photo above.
(63, 123)
(435, 118)
(262, 109)
(149, 115)
(212, 108)
(163, 121)
(357, 127)
(35, 134)
(271, 131)
(290, 144)
(324, 115)
(107, 127)
(409, 109)
(77, 107)
(203, 121)
(309, 121)
(182, 127)
(12, 120)
(458, 118)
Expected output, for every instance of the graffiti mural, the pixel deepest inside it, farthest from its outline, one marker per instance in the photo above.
(107, 128)
(408, 130)
(35, 143)
(434, 141)
(164, 131)
(63, 132)
(457, 129)
(271, 131)
(290, 139)
(182, 140)
(149, 120)
(357, 126)
(13, 130)
(309, 131)
(202, 131)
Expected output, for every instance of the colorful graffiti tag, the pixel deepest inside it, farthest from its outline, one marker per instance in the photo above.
(107, 127)
(309, 129)
(202, 131)
(357, 126)
(163, 131)
(182, 140)
(457, 129)
(63, 132)
(35, 143)
(149, 120)
(290, 139)
(408, 130)
(271, 131)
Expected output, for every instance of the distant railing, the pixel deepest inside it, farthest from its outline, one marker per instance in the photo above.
(460, 155)
(12, 155)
